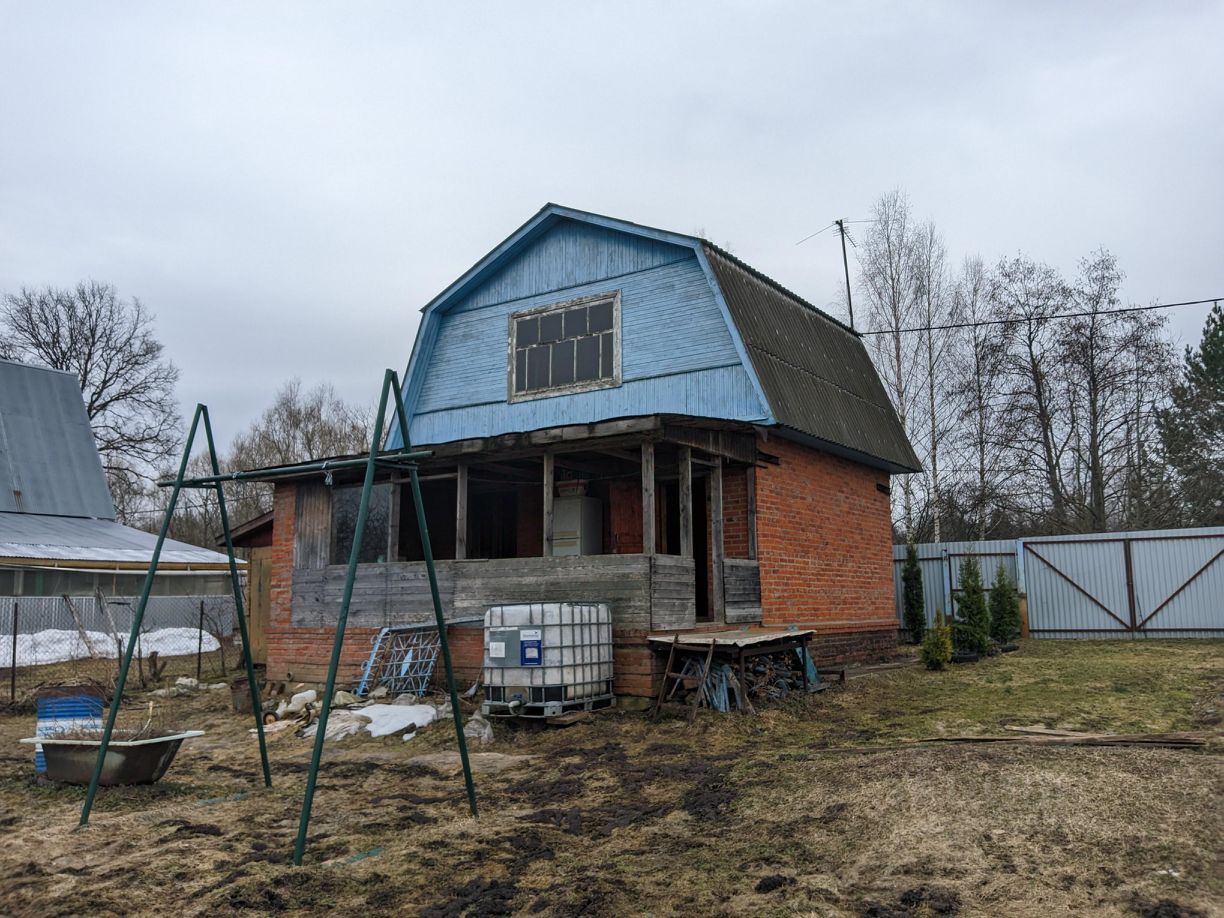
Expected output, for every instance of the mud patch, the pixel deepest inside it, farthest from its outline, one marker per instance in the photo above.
(528, 848)
(477, 898)
(541, 792)
(183, 827)
(601, 821)
(920, 900)
(1164, 908)
(710, 800)
(774, 881)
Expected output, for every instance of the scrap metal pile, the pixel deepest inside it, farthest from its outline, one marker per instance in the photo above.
(767, 677)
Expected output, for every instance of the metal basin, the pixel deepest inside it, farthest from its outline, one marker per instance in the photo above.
(143, 761)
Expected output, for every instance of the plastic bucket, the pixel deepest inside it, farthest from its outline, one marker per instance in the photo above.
(58, 713)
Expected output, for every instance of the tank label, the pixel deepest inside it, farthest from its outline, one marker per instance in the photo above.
(497, 649)
(531, 634)
(529, 652)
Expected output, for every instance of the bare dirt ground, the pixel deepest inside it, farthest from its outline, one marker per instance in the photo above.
(824, 806)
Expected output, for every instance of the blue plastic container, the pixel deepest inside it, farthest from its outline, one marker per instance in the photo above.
(59, 713)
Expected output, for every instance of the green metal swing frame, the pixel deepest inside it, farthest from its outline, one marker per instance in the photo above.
(404, 458)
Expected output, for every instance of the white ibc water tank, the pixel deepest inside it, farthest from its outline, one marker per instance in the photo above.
(542, 659)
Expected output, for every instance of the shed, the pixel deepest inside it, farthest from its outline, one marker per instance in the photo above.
(58, 531)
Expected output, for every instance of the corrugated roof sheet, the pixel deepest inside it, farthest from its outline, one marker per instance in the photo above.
(65, 538)
(816, 373)
(48, 460)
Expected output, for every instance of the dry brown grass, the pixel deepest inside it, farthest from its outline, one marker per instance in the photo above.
(730, 816)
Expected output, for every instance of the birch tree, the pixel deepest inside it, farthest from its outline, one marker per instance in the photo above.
(887, 258)
(935, 307)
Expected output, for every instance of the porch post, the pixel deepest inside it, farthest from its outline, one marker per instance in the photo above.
(717, 599)
(393, 526)
(648, 499)
(461, 512)
(686, 502)
(750, 475)
(548, 505)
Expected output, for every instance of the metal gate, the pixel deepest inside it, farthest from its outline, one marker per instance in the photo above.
(1151, 584)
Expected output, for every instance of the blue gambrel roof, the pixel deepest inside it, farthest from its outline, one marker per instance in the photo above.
(807, 374)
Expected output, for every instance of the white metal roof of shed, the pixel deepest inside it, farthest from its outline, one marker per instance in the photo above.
(77, 540)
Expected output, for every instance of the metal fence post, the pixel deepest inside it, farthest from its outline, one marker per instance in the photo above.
(200, 641)
(13, 670)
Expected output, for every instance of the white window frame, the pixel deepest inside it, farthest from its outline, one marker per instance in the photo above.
(611, 382)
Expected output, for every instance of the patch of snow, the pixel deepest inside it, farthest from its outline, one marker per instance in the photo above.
(57, 645)
(386, 719)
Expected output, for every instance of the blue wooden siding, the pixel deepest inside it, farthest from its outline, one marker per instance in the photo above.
(677, 355)
(568, 255)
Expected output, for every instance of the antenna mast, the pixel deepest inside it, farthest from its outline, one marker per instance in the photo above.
(841, 231)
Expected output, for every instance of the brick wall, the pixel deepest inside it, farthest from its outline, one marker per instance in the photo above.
(824, 541)
(302, 654)
(735, 513)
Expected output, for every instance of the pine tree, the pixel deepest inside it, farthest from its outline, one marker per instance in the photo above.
(972, 630)
(1004, 608)
(913, 601)
(937, 645)
(1192, 428)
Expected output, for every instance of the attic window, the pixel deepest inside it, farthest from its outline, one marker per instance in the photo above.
(565, 347)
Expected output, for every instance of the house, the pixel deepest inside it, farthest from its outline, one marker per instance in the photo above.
(615, 413)
(58, 532)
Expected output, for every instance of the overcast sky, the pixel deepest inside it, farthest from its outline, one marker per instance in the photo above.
(285, 185)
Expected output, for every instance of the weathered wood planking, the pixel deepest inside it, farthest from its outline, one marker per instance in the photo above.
(673, 593)
(645, 593)
(742, 590)
(312, 527)
(383, 594)
(623, 581)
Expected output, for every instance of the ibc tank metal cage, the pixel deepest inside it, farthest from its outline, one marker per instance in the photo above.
(548, 658)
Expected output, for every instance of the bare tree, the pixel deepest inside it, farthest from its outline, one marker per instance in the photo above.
(302, 425)
(976, 366)
(936, 307)
(299, 425)
(1112, 360)
(1030, 294)
(126, 381)
(887, 258)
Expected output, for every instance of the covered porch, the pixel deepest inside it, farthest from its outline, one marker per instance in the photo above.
(654, 516)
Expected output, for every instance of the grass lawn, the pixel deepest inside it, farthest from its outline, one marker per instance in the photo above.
(821, 806)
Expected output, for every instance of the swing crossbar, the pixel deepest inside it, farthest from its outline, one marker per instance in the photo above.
(391, 458)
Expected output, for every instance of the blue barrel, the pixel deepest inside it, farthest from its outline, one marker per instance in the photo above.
(59, 713)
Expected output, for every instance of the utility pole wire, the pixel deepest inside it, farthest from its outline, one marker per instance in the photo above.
(1056, 315)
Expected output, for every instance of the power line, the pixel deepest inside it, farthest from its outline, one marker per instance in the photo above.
(829, 227)
(1058, 315)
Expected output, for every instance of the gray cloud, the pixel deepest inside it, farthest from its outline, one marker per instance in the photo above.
(285, 185)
